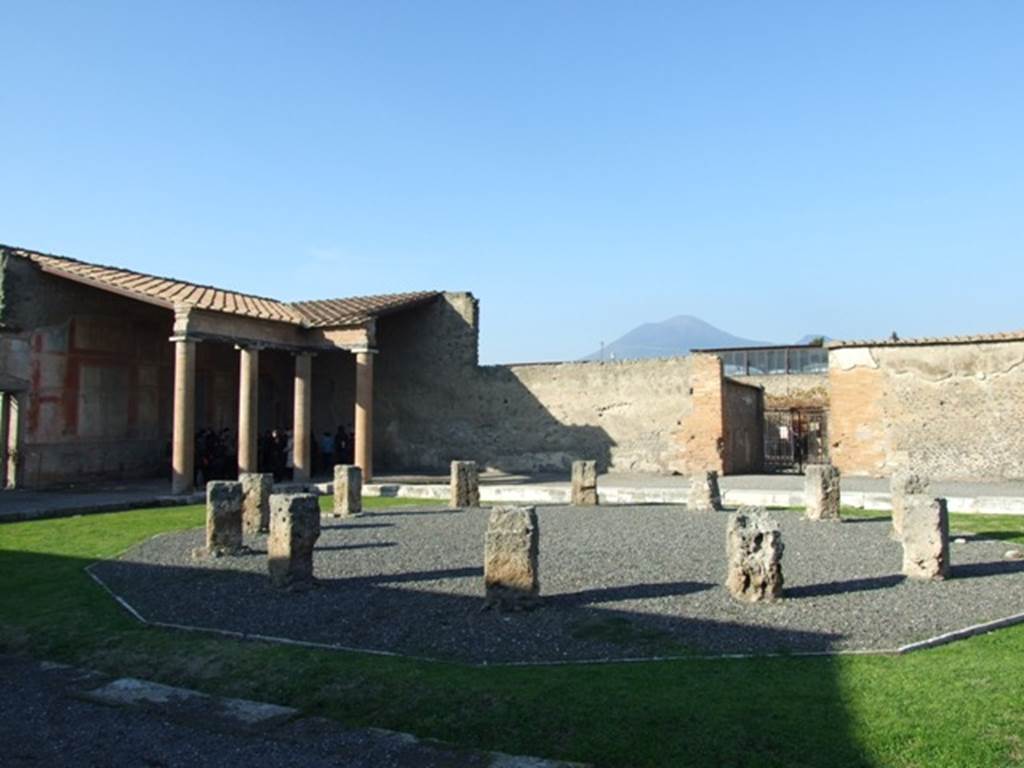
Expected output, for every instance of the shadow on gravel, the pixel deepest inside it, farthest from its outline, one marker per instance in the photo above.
(842, 587)
(701, 713)
(632, 592)
(355, 526)
(433, 512)
(371, 545)
(373, 612)
(979, 570)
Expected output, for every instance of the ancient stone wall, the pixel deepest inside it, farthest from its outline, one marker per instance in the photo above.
(946, 411)
(785, 391)
(434, 404)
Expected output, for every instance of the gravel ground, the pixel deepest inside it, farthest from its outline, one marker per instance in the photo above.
(617, 582)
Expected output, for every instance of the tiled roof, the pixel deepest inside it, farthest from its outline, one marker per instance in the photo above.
(170, 293)
(980, 338)
(316, 314)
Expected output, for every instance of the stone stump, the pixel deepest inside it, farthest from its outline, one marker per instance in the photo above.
(925, 538)
(704, 494)
(294, 529)
(465, 485)
(348, 490)
(753, 544)
(584, 483)
(223, 519)
(821, 492)
(901, 485)
(256, 487)
(511, 548)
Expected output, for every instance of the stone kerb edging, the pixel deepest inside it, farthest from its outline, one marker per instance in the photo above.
(919, 645)
(542, 494)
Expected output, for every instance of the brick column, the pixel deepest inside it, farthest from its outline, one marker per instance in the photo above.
(248, 401)
(301, 427)
(364, 412)
(184, 439)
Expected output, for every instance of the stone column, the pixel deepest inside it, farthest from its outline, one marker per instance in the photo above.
(256, 488)
(223, 519)
(301, 429)
(348, 490)
(901, 485)
(584, 483)
(704, 494)
(294, 529)
(184, 439)
(364, 412)
(753, 545)
(248, 402)
(925, 538)
(821, 492)
(4, 450)
(511, 549)
(15, 422)
(464, 485)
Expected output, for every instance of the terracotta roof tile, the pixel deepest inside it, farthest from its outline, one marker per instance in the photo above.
(980, 338)
(169, 292)
(351, 311)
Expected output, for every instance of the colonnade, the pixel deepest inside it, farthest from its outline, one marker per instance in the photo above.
(183, 441)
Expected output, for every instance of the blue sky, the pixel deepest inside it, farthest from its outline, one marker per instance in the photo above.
(773, 168)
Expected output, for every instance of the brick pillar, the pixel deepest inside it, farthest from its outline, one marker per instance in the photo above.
(183, 441)
(702, 429)
(364, 413)
(248, 401)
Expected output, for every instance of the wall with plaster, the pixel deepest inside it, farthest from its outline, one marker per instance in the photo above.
(952, 411)
(435, 404)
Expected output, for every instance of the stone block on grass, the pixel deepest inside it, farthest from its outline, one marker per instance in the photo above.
(294, 529)
(584, 483)
(348, 490)
(256, 489)
(821, 492)
(704, 494)
(511, 549)
(223, 520)
(465, 485)
(754, 552)
(925, 538)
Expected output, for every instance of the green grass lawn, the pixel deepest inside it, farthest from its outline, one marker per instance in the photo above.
(960, 705)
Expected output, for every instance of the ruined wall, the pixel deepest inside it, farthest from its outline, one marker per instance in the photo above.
(744, 428)
(785, 391)
(435, 404)
(953, 411)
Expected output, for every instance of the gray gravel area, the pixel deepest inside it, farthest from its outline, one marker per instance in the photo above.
(617, 582)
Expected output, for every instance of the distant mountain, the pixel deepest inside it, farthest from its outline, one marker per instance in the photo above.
(675, 336)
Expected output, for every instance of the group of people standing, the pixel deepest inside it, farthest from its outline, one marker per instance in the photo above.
(217, 458)
(276, 452)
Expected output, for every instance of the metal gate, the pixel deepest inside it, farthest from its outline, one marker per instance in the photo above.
(794, 437)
